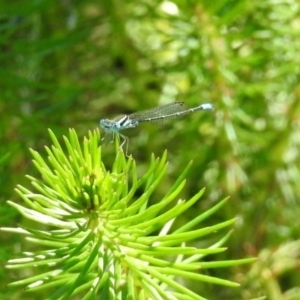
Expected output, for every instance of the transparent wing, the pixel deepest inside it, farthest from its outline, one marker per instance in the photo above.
(167, 110)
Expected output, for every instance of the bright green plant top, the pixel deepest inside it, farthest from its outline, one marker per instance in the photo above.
(99, 239)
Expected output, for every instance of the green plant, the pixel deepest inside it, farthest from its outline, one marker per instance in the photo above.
(101, 238)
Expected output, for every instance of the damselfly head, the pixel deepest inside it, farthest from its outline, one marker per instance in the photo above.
(106, 124)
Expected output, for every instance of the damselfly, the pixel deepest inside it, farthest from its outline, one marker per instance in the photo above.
(158, 114)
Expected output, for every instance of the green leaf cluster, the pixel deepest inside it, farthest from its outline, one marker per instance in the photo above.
(100, 240)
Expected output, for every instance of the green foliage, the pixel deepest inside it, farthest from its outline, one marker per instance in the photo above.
(101, 240)
(66, 64)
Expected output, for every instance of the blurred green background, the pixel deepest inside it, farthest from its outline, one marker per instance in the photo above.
(69, 63)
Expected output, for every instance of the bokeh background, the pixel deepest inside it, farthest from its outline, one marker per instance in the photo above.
(66, 64)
